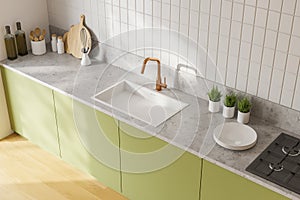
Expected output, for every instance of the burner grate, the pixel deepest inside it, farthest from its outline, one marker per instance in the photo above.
(280, 162)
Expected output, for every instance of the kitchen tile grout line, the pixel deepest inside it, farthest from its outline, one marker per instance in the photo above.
(251, 48)
(218, 44)
(188, 34)
(275, 49)
(128, 30)
(207, 44)
(170, 16)
(296, 81)
(288, 50)
(198, 37)
(263, 52)
(113, 24)
(179, 21)
(228, 45)
(240, 43)
(120, 26)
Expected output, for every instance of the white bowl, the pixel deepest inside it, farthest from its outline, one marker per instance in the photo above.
(235, 136)
(38, 48)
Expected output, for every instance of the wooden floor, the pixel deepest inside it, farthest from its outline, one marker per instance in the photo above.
(27, 172)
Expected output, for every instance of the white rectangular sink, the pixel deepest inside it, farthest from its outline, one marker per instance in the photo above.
(139, 102)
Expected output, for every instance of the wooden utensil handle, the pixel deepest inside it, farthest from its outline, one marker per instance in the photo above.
(82, 17)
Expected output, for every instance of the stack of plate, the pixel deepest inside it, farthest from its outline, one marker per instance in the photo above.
(235, 136)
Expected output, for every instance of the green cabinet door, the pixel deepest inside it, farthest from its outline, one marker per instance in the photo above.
(218, 183)
(31, 110)
(153, 169)
(88, 140)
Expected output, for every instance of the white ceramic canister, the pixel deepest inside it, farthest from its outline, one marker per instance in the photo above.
(38, 47)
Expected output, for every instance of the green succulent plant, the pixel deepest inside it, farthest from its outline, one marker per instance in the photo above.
(214, 94)
(230, 99)
(244, 105)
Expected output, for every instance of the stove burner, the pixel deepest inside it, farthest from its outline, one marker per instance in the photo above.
(276, 167)
(291, 152)
(280, 163)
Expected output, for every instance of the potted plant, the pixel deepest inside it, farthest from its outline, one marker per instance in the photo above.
(229, 105)
(214, 99)
(244, 107)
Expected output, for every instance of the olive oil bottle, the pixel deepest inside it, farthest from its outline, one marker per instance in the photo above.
(21, 40)
(10, 44)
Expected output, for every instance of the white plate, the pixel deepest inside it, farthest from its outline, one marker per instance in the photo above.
(235, 136)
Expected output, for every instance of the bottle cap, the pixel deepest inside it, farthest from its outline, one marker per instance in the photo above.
(59, 37)
(53, 35)
(18, 25)
(7, 28)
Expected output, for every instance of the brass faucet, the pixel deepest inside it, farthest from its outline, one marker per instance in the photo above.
(159, 84)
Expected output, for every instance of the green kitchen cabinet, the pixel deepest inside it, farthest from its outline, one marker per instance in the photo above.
(153, 169)
(31, 109)
(218, 183)
(88, 140)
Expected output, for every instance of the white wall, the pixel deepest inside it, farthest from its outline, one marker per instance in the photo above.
(254, 44)
(31, 13)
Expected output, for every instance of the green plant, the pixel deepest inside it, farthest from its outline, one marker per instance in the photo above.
(244, 105)
(214, 94)
(230, 99)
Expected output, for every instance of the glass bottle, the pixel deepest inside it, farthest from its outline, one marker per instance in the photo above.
(10, 44)
(21, 40)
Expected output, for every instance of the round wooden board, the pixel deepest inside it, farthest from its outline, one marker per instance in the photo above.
(73, 39)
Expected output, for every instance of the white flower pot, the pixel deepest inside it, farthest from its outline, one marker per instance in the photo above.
(214, 106)
(243, 117)
(228, 112)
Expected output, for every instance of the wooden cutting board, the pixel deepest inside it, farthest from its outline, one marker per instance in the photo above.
(65, 40)
(74, 45)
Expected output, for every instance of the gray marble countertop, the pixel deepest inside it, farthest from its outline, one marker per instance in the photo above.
(191, 129)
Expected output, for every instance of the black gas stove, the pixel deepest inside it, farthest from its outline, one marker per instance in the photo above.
(280, 163)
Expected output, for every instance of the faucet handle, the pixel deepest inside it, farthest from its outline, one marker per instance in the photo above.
(165, 82)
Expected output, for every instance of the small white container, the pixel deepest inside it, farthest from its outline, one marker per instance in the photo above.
(60, 45)
(38, 47)
(54, 43)
(243, 117)
(214, 106)
(228, 112)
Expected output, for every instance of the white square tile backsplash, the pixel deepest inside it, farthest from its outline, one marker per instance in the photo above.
(298, 8)
(285, 23)
(289, 6)
(255, 44)
(273, 20)
(276, 5)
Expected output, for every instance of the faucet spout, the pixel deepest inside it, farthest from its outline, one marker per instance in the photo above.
(159, 84)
